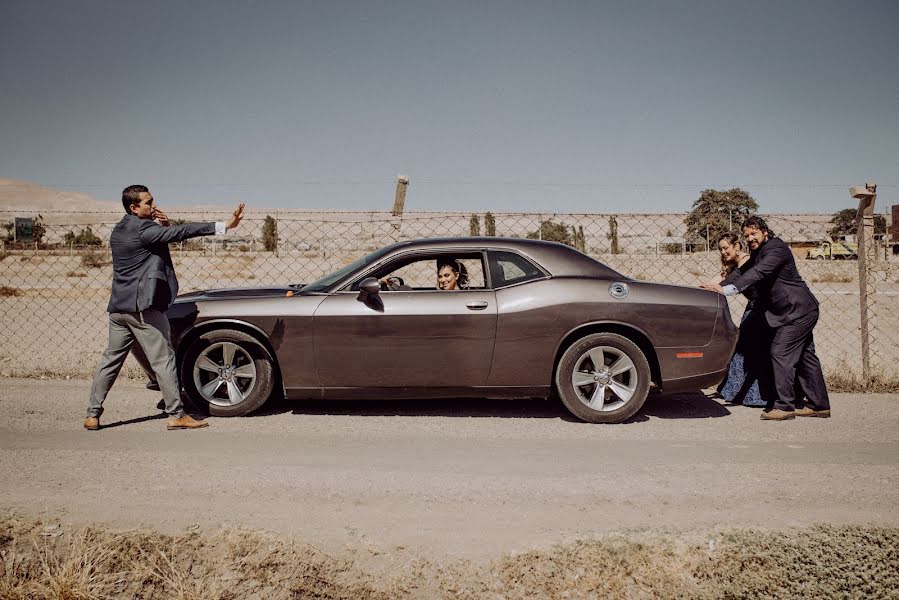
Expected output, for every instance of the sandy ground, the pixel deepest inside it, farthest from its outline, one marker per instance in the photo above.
(450, 478)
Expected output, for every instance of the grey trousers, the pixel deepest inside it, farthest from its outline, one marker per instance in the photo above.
(150, 330)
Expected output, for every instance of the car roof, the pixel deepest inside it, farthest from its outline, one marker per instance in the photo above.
(559, 259)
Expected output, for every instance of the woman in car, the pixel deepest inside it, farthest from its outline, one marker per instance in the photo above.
(451, 274)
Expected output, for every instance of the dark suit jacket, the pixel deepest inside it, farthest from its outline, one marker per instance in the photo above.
(143, 275)
(779, 289)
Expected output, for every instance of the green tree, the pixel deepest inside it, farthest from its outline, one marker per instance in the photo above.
(613, 235)
(717, 212)
(474, 226)
(552, 232)
(270, 234)
(85, 237)
(489, 224)
(844, 224)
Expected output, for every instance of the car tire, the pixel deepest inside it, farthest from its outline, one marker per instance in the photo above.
(227, 372)
(611, 393)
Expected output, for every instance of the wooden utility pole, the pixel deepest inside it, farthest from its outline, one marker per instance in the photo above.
(867, 255)
(399, 205)
(399, 200)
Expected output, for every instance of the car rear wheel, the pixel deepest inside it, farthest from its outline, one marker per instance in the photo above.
(227, 371)
(603, 378)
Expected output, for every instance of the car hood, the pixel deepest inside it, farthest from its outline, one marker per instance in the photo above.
(231, 293)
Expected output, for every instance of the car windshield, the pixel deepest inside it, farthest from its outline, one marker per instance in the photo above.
(322, 284)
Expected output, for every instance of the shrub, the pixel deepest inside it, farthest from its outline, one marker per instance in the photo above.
(94, 260)
(613, 235)
(85, 237)
(552, 232)
(489, 224)
(474, 225)
(270, 234)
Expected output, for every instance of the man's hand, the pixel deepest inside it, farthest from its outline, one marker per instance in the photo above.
(236, 216)
(712, 287)
(161, 218)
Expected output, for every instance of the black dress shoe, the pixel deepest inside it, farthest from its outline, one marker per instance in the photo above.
(152, 385)
(161, 404)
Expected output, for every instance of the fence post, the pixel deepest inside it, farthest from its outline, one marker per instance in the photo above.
(399, 207)
(867, 255)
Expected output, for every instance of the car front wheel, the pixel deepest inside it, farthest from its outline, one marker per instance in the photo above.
(227, 371)
(603, 378)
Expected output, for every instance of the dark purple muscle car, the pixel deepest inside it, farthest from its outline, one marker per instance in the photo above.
(531, 319)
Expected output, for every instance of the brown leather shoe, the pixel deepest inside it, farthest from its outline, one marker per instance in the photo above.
(775, 414)
(808, 411)
(92, 423)
(186, 422)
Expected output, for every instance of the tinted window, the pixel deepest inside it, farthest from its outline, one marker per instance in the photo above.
(508, 268)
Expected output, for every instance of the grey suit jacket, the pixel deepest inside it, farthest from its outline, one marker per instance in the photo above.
(143, 275)
(779, 289)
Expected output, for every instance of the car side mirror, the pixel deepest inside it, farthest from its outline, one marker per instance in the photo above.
(369, 294)
(370, 285)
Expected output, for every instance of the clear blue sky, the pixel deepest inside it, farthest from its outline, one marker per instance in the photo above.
(516, 106)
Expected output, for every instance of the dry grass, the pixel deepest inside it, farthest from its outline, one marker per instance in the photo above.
(10, 292)
(832, 278)
(92, 564)
(843, 379)
(76, 274)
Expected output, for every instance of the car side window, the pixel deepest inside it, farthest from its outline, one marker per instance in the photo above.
(419, 273)
(509, 268)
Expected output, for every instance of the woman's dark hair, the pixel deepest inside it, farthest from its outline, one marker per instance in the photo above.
(131, 195)
(756, 222)
(456, 265)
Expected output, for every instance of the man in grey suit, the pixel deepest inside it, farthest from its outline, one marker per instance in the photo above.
(143, 287)
(792, 311)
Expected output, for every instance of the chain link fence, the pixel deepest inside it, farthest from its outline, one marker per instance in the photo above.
(53, 294)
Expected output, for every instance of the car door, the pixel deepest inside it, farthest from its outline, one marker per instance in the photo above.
(419, 337)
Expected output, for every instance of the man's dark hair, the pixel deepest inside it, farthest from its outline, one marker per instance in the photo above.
(756, 222)
(131, 195)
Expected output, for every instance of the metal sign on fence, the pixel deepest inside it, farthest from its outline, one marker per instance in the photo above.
(24, 229)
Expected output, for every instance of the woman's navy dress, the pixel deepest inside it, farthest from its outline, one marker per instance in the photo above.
(751, 356)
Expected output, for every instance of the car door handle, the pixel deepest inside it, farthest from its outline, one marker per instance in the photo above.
(476, 305)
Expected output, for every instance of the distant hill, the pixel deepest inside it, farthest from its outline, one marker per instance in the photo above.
(23, 196)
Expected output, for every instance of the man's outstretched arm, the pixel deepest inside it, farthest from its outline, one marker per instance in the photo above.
(153, 233)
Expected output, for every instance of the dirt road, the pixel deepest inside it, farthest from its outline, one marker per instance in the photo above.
(456, 478)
